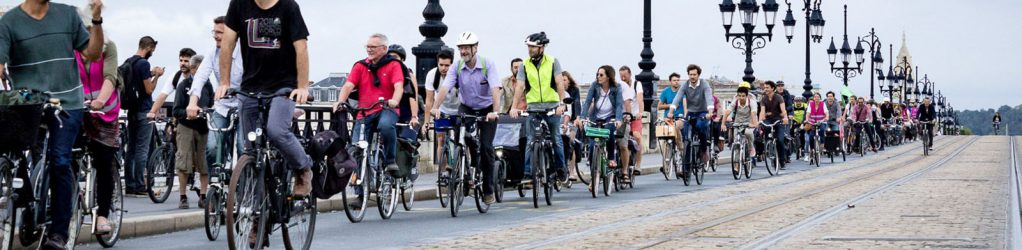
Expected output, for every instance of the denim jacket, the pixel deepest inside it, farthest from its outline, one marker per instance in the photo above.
(589, 106)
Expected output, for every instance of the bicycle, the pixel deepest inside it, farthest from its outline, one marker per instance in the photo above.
(369, 177)
(22, 162)
(769, 155)
(260, 191)
(741, 162)
(628, 170)
(541, 155)
(506, 141)
(997, 128)
(406, 184)
(861, 138)
(926, 136)
(219, 172)
(695, 149)
(465, 174)
(88, 206)
(599, 173)
(444, 124)
(159, 176)
(666, 135)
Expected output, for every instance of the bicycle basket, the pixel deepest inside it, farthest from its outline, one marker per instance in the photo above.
(666, 131)
(507, 135)
(595, 132)
(21, 112)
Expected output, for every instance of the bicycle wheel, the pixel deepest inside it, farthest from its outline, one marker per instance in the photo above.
(301, 226)
(678, 163)
(443, 182)
(115, 216)
(386, 195)
(583, 173)
(687, 164)
(666, 168)
(355, 196)
(478, 190)
(499, 180)
(244, 208)
(213, 213)
(537, 176)
(608, 182)
(548, 186)
(408, 196)
(700, 170)
(7, 219)
(736, 162)
(746, 161)
(773, 160)
(159, 178)
(456, 187)
(594, 171)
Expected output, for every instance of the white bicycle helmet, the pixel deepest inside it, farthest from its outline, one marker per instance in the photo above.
(468, 38)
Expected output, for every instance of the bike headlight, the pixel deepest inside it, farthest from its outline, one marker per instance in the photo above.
(251, 136)
(363, 144)
(499, 153)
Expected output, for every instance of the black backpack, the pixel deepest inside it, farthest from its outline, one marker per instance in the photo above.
(130, 94)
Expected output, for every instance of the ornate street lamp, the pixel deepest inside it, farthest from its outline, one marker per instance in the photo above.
(845, 71)
(814, 33)
(877, 60)
(432, 29)
(747, 40)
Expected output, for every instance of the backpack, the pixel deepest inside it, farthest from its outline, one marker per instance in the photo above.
(130, 93)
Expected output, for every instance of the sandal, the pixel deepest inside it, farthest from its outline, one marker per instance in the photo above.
(103, 228)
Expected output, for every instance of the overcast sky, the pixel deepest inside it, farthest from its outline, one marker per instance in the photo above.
(969, 48)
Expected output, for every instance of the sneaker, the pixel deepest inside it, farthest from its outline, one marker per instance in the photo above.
(489, 199)
(303, 183)
(183, 204)
(54, 242)
(202, 202)
(392, 167)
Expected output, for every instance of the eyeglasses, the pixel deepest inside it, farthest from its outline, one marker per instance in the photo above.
(600, 75)
(373, 46)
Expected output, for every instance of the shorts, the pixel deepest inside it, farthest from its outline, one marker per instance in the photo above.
(191, 151)
(636, 125)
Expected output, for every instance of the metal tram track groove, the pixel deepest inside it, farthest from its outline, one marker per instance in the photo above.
(823, 216)
(699, 205)
(1014, 232)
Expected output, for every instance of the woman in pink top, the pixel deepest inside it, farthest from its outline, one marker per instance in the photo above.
(816, 114)
(99, 84)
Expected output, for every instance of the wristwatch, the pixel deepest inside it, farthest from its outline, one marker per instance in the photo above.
(97, 22)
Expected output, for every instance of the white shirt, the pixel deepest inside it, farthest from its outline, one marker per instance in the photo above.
(629, 94)
(604, 105)
(211, 65)
(450, 105)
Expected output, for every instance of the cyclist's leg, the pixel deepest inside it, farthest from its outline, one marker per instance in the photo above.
(103, 162)
(278, 126)
(487, 130)
(62, 178)
(554, 121)
(388, 135)
(529, 129)
(779, 133)
(184, 160)
(214, 146)
(611, 142)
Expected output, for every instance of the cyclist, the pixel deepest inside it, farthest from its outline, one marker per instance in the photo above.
(604, 104)
(536, 83)
(450, 105)
(997, 122)
(409, 105)
(378, 76)
(473, 74)
(836, 116)
(816, 113)
(927, 114)
(99, 81)
(210, 67)
(744, 110)
(799, 117)
(772, 109)
(39, 55)
(274, 49)
(860, 114)
(886, 112)
(698, 106)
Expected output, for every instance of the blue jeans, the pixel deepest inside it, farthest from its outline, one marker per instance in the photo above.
(278, 128)
(779, 131)
(213, 142)
(554, 123)
(62, 177)
(702, 124)
(140, 136)
(384, 124)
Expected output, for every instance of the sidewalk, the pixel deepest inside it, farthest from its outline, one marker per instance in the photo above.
(144, 218)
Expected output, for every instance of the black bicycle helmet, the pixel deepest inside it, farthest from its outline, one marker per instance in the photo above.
(537, 39)
(396, 48)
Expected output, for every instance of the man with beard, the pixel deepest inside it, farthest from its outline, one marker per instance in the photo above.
(139, 128)
(185, 72)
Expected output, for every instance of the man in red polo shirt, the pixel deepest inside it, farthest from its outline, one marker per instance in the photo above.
(378, 76)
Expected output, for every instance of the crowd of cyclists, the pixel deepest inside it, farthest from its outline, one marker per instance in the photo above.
(236, 107)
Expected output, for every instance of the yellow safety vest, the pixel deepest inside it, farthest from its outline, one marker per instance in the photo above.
(540, 81)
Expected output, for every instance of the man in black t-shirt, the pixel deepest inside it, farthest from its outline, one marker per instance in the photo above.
(274, 52)
(772, 109)
(139, 127)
